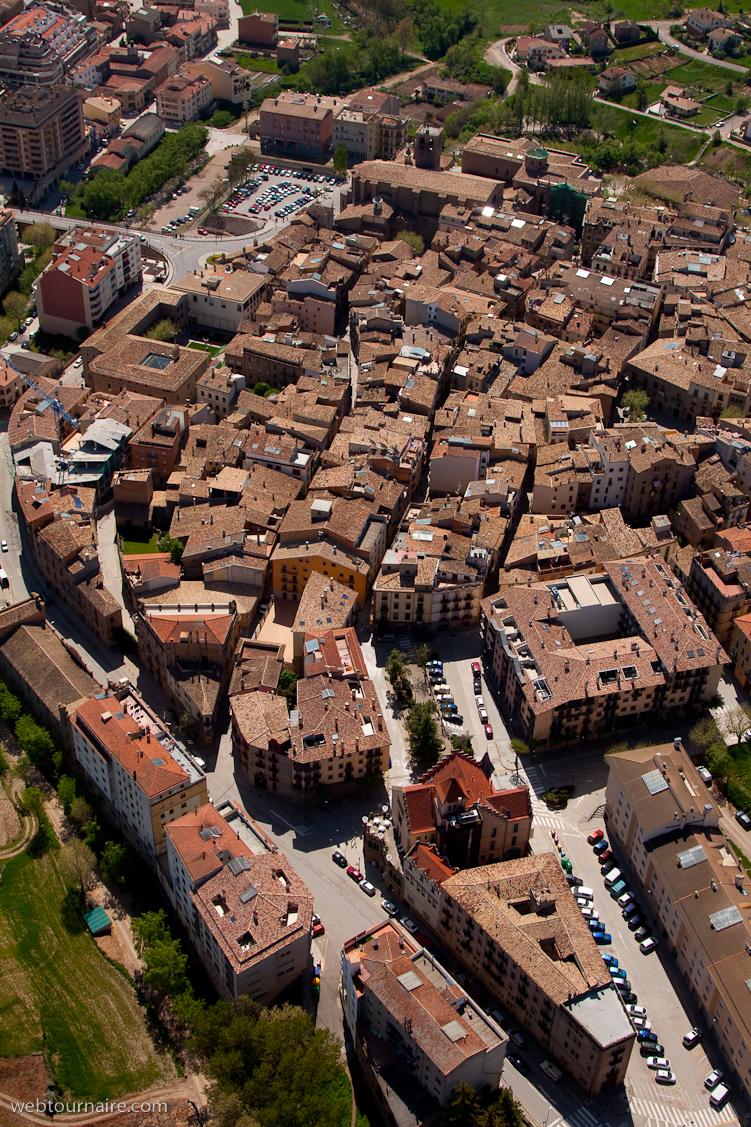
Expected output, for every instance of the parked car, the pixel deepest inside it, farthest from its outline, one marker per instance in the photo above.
(607, 866)
(389, 908)
(590, 914)
(641, 934)
(339, 859)
(646, 1035)
(606, 855)
(602, 938)
(741, 817)
(574, 880)
(367, 888)
(641, 1023)
(636, 1011)
(475, 667)
(705, 775)
(617, 889)
(409, 924)
(354, 873)
(691, 1038)
(630, 910)
(488, 731)
(658, 1062)
(651, 1048)
(517, 1038)
(635, 922)
(713, 1079)
(601, 846)
(518, 1062)
(318, 928)
(595, 837)
(647, 945)
(610, 961)
(664, 1076)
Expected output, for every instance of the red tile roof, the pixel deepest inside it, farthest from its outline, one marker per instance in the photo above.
(428, 860)
(203, 857)
(419, 803)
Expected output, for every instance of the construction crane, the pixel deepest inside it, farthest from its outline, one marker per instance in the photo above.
(54, 404)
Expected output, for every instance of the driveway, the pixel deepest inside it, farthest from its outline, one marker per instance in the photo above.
(497, 56)
(662, 27)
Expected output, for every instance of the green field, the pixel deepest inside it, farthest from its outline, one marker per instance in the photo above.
(297, 10)
(58, 994)
(682, 144)
(705, 76)
(623, 55)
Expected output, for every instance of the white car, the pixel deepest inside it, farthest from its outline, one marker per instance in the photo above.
(648, 945)
(664, 1076)
(77, 362)
(641, 1023)
(389, 908)
(691, 1038)
(713, 1079)
(636, 1011)
(367, 888)
(658, 1062)
(590, 913)
(410, 925)
(4, 545)
(479, 702)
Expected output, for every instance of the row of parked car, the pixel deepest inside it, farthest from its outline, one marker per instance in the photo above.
(649, 1043)
(442, 693)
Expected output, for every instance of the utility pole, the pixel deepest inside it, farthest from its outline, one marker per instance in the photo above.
(246, 107)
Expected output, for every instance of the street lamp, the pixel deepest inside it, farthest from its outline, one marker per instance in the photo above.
(545, 1124)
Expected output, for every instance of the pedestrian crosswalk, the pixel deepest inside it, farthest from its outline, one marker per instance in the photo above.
(582, 1118)
(657, 1114)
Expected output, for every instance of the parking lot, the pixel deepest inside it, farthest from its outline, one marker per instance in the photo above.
(280, 192)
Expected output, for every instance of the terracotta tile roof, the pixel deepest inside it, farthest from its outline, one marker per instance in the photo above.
(426, 858)
(418, 801)
(203, 856)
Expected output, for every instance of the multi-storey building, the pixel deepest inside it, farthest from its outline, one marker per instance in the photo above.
(156, 446)
(359, 131)
(664, 826)
(229, 82)
(405, 1013)
(248, 913)
(516, 928)
(39, 45)
(90, 271)
(222, 299)
(456, 807)
(335, 736)
(9, 264)
(629, 641)
(719, 583)
(298, 125)
(41, 134)
(142, 776)
(183, 97)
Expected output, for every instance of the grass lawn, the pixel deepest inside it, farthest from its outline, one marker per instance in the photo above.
(623, 55)
(59, 994)
(139, 542)
(214, 349)
(706, 76)
(299, 11)
(653, 89)
(682, 144)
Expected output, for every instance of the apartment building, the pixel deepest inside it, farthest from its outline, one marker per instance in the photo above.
(229, 81)
(184, 97)
(335, 736)
(265, 361)
(88, 274)
(664, 822)
(188, 649)
(719, 583)
(359, 131)
(456, 808)
(259, 29)
(221, 298)
(143, 778)
(41, 134)
(298, 125)
(416, 1032)
(103, 111)
(325, 604)
(39, 45)
(248, 913)
(516, 928)
(9, 264)
(156, 445)
(740, 650)
(630, 641)
(430, 577)
(392, 136)
(685, 381)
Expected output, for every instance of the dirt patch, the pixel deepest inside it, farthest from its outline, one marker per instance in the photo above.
(231, 225)
(408, 88)
(10, 825)
(24, 1078)
(652, 66)
(522, 28)
(111, 947)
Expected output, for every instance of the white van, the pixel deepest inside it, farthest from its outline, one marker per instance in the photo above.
(550, 1070)
(718, 1097)
(584, 893)
(612, 877)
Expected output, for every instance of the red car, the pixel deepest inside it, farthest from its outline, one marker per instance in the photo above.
(202, 231)
(318, 928)
(476, 668)
(488, 731)
(355, 874)
(606, 856)
(595, 837)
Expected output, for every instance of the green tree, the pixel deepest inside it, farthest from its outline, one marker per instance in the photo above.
(731, 413)
(15, 306)
(397, 671)
(404, 34)
(341, 157)
(463, 1108)
(172, 545)
(425, 743)
(66, 792)
(704, 732)
(80, 811)
(148, 929)
(636, 401)
(288, 687)
(166, 966)
(718, 759)
(16, 198)
(281, 1068)
(39, 235)
(10, 705)
(424, 654)
(519, 747)
(91, 832)
(412, 239)
(186, 725)
(222, 119)
(32, 801)
(77, 863)
(165, 331)
(115, 862)
(742, 103)
(35, 740)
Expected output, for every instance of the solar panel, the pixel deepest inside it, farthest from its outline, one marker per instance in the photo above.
(726, 917)
(654, 782)
(248, 894)
(409, 980)
(239, 865)
(690, 857)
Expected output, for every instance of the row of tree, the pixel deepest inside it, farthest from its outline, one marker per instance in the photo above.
(109, 194)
